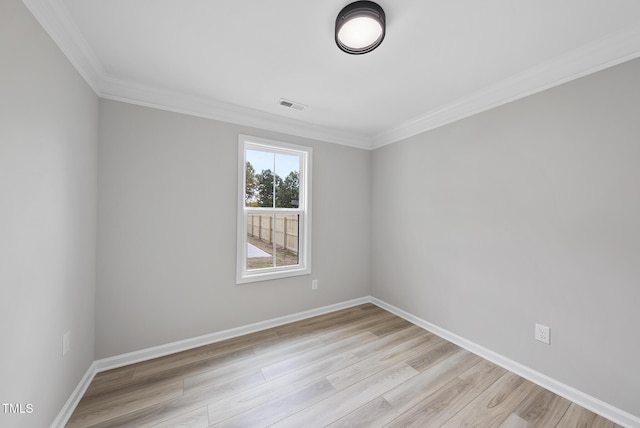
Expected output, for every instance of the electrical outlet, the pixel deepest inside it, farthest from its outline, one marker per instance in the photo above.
(66, 343)
(543, 334)
(314, 284)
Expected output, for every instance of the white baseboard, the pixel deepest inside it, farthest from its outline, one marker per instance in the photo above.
(207, 339)
(595, 405)
(183, 345)
(606, 410)
(65, 413)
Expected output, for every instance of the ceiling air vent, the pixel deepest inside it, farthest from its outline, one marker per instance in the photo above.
(291, 104)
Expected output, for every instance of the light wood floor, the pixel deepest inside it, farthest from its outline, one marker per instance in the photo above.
(360, 366)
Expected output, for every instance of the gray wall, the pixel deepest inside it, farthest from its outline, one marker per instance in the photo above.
(167, 230)
(48, 146)
(526, 213)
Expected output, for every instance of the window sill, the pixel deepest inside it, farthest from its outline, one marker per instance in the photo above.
(248, 278)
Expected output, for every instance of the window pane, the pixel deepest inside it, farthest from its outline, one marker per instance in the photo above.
(287, 239)
(259, 179)
(266, 231)
(287, 169)
(260, 235)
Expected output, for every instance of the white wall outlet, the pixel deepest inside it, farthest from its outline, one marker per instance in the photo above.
(66, 343)
(543, 333)
(314, 284)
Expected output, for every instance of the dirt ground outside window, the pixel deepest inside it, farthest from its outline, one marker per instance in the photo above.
(283, 257)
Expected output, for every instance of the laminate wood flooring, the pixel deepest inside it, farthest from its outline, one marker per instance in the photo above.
(358, 367)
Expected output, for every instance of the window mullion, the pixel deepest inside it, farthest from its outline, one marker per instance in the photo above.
(273, 216)
(273, 202)
(273, 238)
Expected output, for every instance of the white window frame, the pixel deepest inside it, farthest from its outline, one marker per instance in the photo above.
(303, 267)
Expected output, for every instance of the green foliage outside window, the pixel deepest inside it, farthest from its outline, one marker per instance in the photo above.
(260, 189)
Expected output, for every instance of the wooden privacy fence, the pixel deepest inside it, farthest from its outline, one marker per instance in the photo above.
(284, 230)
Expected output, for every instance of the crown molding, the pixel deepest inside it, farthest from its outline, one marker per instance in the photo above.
(614, 49)
(607, 52)
(164, 99)
(56, 21)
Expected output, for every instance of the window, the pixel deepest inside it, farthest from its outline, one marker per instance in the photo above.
(274, 210)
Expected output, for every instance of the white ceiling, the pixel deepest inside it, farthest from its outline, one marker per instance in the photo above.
(232, 60)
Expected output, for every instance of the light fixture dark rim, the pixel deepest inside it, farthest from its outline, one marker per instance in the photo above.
(355, 10)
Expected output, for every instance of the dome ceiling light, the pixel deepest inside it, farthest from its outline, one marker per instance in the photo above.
(360, 27)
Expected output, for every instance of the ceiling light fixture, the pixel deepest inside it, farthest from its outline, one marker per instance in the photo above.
(360, 27)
